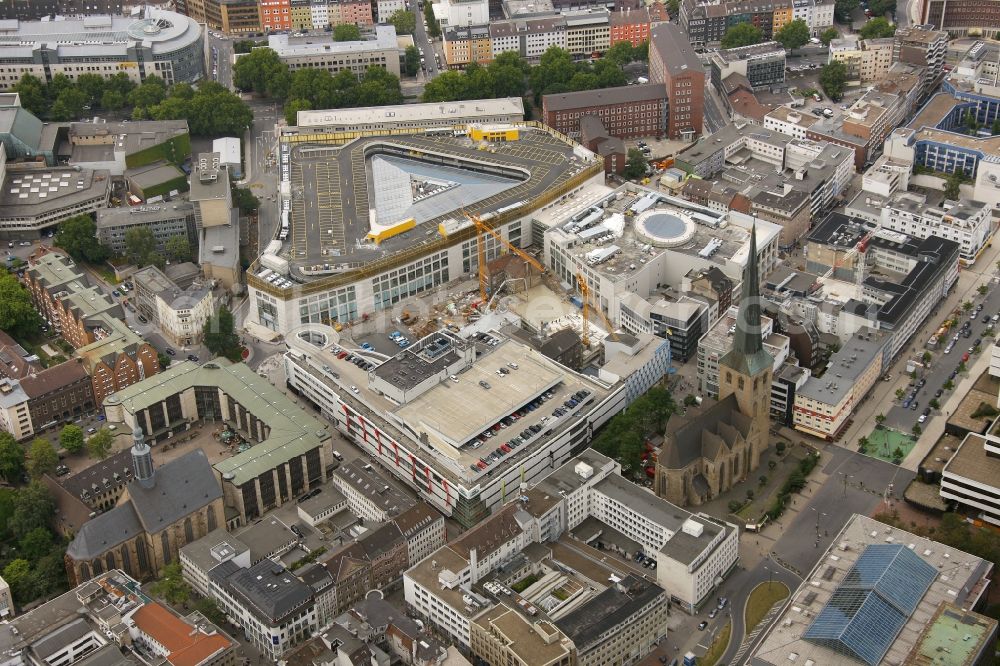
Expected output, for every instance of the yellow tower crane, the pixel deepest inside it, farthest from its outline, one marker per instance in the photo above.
(581, 282)
(481, 229)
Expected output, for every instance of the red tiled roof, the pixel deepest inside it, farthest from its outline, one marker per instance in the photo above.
(187, 645)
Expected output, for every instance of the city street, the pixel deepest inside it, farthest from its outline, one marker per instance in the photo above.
(220, 54)
(882, 400)
(423, 42)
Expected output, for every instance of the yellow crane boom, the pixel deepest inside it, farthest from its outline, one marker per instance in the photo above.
(581, 282)
(483, 228)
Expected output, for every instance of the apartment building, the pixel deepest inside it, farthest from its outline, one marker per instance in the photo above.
(922, 46)
(465, 45)
(630, 25)
(823, 406)
(312, 52)
(530, 37)
(275, 15)
(967, 222)
(866, 60)
(588, 31)
(369, 495)
(180, 314)
(15, 415)
(464, 13)
(275, 609)
(673, 63)
(762, 64)
(236, 17)
(706, 22)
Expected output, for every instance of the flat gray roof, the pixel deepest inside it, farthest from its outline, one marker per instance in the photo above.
(31, 193)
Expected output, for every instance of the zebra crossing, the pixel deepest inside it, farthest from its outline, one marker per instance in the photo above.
(760, 628)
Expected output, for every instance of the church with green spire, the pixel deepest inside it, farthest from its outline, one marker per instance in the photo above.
(709, 450)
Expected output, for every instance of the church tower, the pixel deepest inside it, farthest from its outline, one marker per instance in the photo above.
(745, 371)
(142, 459)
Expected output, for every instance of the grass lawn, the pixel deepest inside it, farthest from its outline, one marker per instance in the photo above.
(883, 442)
(718, 647)
(763, 597)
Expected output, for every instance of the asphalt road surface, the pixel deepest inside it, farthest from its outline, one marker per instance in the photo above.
(219, 66)
(845, 484)
(423, 42)
(943, 365)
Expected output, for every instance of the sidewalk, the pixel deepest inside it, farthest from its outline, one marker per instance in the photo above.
(882, 396)
(936, 427)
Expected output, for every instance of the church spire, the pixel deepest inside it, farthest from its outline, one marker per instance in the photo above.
(748, 326)
(142, 459)
(747, 355)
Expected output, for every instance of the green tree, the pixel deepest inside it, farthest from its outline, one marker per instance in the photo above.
(18, 315)
(900, 393)
(881, 7)
(210, 609)
(178, 248)
(78, 236)
(42, 458)
(934, 403)
(404, 21)
(32, 92)
(346, 32)
(245, 200)
(948, 385)
(149, 94)
(433, 28)
(71, 438)
(112, 100)
(673, 8)
(140, 246)
(877, 27)
(293, 107)
(447, 86)
(828, 36)
(842, 10)
(36, 543)
(17, 573)
(256, 71)
(220, 335)
(33, 508)
(741, 34)
(99, 444)
(621, 53)
(120, 83)
(69, 105)
(508, 75)
(164, 361)
(172, 585)
(213, 110)
(411, 60)
(244, 46)
(635, 166)
(92, 86)
(554, 70)
(793, 35)
(11, 458)
(833, 79)
(952, 185)
(966, 305)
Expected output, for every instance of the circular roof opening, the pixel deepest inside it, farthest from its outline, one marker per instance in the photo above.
(665, 228)
(313, 337)
(148, 28)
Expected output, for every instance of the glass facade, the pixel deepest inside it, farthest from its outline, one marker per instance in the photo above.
(396, 285)
(876, 598)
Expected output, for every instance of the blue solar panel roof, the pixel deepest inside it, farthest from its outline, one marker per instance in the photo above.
(873, 602)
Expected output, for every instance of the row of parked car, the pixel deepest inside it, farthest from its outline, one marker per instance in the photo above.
(525, 435)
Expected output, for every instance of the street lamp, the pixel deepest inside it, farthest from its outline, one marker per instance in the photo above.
(846, 477)
(770, 575)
